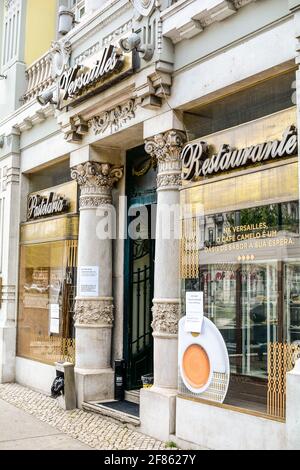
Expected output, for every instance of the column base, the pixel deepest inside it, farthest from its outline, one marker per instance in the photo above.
(94, 385)
(7, 354)
(158, 412)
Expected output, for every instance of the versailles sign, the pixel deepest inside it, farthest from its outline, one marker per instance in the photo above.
(81, 80)
(197, 162)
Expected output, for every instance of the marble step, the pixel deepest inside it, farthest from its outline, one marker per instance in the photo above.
(117, 415)
(133, 396)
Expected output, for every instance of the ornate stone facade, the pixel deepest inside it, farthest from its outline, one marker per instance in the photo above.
(94, 312)
(166, 149)
(114, 119)
(145, 7)
(96, 181)
(166, 315)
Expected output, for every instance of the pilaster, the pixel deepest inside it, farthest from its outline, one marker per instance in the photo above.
(9, 243)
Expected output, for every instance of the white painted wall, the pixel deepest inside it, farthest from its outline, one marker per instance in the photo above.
(35, 375)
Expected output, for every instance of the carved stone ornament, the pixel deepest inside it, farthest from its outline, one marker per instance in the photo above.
(165, 317)
(60, 53)
(96, 181)
(113, 119)
(145, 7)
(94, 312)
(164, 181)
(166, 147)
(96, 174)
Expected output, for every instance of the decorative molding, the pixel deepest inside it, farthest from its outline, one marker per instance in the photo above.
(166, 315)
(94, 174)
(169, 181)
(98, 312)
(60, 53)
(166, 149)
(35, 118)
(145, 7)
(87, 53)
(93, 202)
(114, 35)
(96, 181)
(179, 24)
(113, 119)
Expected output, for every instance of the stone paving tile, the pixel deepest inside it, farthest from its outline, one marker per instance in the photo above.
(92, 429)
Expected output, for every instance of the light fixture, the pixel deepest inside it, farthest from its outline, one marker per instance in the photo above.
(66, 20)
(47, 97)
(3, 77)
(133, 43)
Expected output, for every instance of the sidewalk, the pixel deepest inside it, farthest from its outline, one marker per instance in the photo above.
(29, 420)
(20, 431)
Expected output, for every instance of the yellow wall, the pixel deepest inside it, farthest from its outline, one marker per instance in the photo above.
(41, 18)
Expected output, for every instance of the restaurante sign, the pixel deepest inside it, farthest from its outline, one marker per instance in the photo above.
(196, 161)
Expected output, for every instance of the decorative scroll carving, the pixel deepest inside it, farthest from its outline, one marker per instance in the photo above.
(166, 149)
(96, 174)
(165, 317)
(169, 180)
(113, 119)
(94, 312)
(96, 181)
(60, 55)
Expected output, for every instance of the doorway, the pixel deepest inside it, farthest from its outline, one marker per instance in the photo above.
(139, 266)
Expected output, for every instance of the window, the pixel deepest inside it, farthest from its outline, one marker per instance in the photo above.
(78, 7)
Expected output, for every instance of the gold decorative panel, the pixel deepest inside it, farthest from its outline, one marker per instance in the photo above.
(281, 359)
(189, 250)
(52, 349)
(55, 228)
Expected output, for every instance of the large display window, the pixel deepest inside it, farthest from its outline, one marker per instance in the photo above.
(47, 281)
(241, 249)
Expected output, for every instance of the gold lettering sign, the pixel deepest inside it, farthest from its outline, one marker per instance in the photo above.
(53, 201)
(267, 139)
(81, 81)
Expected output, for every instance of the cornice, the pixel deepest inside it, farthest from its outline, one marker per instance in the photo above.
(199, 15)
(96, 20)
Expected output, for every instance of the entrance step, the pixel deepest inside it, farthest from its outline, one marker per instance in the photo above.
(123, 411)
(133, 396)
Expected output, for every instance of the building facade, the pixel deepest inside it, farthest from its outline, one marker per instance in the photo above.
(114, 114)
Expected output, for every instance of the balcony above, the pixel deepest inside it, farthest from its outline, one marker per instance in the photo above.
(39, 78)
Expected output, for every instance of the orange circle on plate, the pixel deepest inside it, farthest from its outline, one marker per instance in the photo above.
(196, 366)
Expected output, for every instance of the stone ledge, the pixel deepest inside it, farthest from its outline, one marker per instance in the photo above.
(186, 19)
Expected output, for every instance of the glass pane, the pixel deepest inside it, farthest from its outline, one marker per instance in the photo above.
(46, 299)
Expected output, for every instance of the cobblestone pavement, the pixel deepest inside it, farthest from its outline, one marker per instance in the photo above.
(92, 429)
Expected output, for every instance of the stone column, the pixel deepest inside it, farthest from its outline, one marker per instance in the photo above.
(94, 315)
(160, 400)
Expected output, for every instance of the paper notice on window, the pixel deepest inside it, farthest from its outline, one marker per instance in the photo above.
(54, 318)
(88, 281)
(54, 326)
(194, 312)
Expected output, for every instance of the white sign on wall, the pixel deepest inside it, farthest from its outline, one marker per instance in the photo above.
(88, 281)
(194, 312)
(54, 319)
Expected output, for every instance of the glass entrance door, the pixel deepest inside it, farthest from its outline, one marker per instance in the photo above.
(140, 281)
(259, 322)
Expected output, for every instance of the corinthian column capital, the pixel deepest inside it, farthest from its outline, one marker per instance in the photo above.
(166, 150)
(96, 181)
